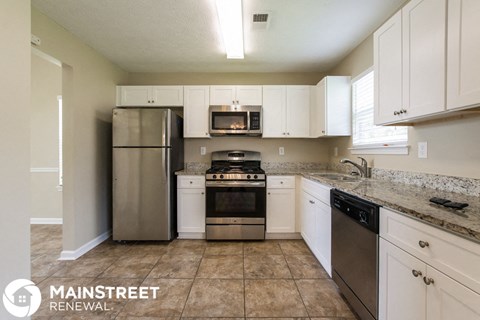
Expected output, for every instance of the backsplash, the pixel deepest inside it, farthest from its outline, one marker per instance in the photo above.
(293, 166)
(467, 186)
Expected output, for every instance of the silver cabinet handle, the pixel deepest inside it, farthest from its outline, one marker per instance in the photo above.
(269, 193)
(404, 110)
(288, 133)
(423, 244)
(203, 192)
(281, 182)
(416, 273)
(191, 182)
(428, 281)
(312, 202)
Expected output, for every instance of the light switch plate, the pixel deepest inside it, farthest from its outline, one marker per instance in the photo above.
(203, 151)
(281, 151)
(423, 150)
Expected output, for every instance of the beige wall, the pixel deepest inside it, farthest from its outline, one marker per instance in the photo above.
(224, 78)
(46, 86)
(296, 150)
(15, 143)
(453, 144)
(88, 91)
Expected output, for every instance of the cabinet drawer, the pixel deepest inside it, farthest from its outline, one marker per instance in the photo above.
(275, 182)
(318, 190)
(188, 182)
(457, 257)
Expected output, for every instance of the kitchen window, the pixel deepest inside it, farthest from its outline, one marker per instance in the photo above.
(367, 137)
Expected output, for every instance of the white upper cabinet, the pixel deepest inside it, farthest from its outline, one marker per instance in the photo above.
(195, 111)
(387, 61)
(241, 95)
(409, 62)
(149, 96)
(331, 108)
(463, 68)
(274, 111)
(424, 45)
(286, 111)
(298, 111)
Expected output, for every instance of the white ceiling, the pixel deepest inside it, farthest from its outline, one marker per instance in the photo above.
(183, 35)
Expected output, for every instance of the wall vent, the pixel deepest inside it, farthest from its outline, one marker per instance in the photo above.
(260, 17)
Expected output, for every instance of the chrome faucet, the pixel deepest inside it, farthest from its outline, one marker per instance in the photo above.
(363, 168)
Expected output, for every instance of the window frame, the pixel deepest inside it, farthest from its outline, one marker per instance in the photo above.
(395, 148)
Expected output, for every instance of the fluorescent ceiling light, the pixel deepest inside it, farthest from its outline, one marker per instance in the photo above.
(230, 18)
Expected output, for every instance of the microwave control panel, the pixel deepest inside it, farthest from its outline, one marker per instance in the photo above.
(255, 121)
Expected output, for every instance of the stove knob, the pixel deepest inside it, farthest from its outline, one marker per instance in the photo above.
(214, 176)
(248, 176)
(221, 176)
(255, 177)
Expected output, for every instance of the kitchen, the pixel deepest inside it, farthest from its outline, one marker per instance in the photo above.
(451, 152)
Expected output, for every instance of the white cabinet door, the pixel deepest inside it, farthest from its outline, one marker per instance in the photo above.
(222, 95)
(424, 56)
(387, 47)
(402, 295)
(131, 96)
(447, 299)
(243, 95)
(191, 210)
(249, 95)
(280, 210)
(167, 96)
(274, 111)
(463, 69)
(195, 111)
(308, 219)
(298, 111)
(331, 107)
(323, 235)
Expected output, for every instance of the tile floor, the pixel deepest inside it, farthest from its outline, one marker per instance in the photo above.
(197, 279)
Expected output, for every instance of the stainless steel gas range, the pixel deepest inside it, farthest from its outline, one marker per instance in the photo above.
(236, 196)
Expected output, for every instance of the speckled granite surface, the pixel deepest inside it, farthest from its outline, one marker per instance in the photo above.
(193, 169)
(414, 201)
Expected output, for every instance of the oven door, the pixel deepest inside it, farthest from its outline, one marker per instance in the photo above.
(235, 202)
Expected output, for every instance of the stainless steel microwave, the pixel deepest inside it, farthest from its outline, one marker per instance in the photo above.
(235, 120)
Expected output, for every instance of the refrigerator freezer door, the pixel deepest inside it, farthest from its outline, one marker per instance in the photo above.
(141, 127)
(141, 206)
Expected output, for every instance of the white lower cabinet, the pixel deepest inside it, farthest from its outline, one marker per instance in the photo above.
(281, 204)
(410, 287)
(191, 207)
(316, 221)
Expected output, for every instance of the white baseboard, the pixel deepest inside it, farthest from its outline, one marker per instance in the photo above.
(283, 236)
(75, 254)
(46, 220)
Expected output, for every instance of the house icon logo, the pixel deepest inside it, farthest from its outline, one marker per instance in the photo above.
(22, 298)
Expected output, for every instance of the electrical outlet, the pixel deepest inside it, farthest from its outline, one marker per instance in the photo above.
(203, 151)
(423, 150)
(335, 152)
(281, 151)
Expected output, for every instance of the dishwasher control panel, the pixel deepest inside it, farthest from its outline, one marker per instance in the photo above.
(361, 211)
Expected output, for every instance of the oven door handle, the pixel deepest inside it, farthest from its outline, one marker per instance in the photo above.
(235, 184)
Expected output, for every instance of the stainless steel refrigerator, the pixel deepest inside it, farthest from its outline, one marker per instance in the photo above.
(147, 150)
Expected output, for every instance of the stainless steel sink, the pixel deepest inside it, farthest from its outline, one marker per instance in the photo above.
(337, 176)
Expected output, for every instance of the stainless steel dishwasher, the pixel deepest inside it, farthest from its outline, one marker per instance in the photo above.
(355, 251)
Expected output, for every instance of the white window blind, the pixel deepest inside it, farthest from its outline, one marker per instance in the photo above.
(365, 133)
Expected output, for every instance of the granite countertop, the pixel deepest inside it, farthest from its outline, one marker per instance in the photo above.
(414, 202)
(190, 172)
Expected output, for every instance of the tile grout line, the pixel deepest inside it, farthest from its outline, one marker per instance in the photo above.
(193, 281)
